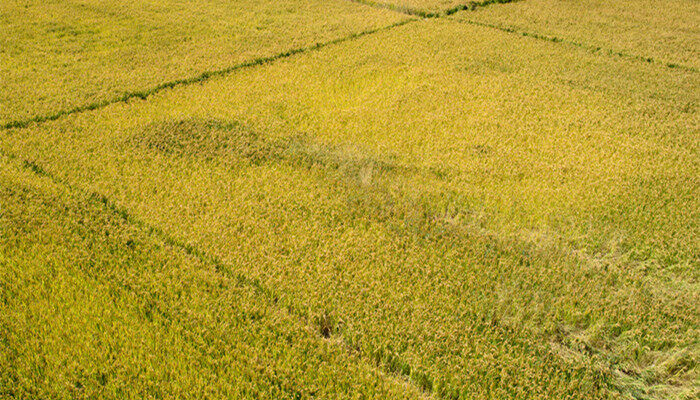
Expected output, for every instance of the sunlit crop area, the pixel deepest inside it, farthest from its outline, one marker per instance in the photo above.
(416, 6)
(430, 207)
(664, 31)
(93, 306)
(56, 55)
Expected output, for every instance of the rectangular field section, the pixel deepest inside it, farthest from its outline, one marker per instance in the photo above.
(95, 307)
(666, 31)
(58, 55)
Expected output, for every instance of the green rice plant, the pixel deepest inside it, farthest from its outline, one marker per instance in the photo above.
(57, 56)
(665, 32)
(486, 217)
(93, 306)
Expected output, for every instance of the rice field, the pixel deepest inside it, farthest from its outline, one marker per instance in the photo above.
(113, 312)
(413, 199)
(665, 32)
(60, 55)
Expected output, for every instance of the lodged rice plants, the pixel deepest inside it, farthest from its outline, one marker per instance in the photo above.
(483, 217)
(57, 56)
(664, 32)
(95, 306)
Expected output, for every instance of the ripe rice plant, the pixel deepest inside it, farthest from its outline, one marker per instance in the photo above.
(483, 217)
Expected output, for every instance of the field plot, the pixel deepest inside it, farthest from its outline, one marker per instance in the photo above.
(489, 217)
(94, 307)
(664, 31)
(57, 55)
(430, 7)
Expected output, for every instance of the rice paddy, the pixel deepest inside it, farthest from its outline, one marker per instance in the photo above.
(427, 208)
(59, 55)
(665, 32)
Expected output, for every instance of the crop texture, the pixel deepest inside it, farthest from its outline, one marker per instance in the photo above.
(436, 208)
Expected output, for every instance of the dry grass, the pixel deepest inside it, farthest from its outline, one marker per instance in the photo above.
(489, 217)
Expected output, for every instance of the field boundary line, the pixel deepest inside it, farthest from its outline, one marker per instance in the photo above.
(591, 48)
(199, 78)
(472, 5)
(274, 300)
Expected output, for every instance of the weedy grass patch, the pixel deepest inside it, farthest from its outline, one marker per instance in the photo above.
(95, 306)
(647, 30)
(61, 55)
(486, 217)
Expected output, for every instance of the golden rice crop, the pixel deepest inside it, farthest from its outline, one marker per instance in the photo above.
(94, 307)
(663, 31)
(58, 55)
(430, 8)
(427, 7)
(488, 217)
